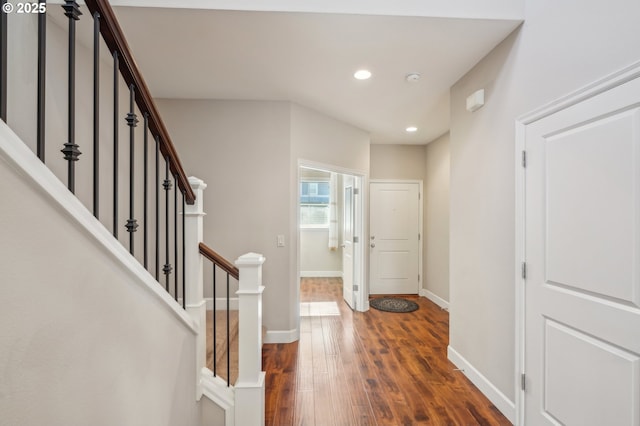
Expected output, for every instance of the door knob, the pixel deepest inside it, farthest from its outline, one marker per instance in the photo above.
(373, 245)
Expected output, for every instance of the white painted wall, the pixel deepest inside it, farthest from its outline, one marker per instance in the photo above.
(429, 163)
(561, 47)
(402, 162)
(324, 140)
(315, 256)
(397, 162)
(85, 338)
(241, 150)
(436, 218)
(22, 119)
(247, 151)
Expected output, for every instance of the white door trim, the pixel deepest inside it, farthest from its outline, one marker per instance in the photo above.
(420, 220)
(589, 91)
(361, 297)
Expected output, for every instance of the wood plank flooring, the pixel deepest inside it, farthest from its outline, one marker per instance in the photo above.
(373, 368)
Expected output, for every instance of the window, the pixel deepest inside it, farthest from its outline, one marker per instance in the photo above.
(314, 204)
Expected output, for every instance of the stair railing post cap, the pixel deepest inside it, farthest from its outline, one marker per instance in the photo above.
(250, 259)
(197, 183)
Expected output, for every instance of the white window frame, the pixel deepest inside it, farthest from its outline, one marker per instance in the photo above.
(313, 180)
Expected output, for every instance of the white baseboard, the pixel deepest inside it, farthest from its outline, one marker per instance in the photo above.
(221, 303)
(365, 308)
(500, 400)
(282, 336)
(321, 274)
(434, 298)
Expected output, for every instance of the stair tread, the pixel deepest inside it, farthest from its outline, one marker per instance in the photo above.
(221, 343)
(221, 337)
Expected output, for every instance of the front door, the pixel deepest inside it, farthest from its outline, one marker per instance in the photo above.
(394, 238)
(582, 244)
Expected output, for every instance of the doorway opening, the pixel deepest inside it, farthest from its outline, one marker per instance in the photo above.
(330, 210)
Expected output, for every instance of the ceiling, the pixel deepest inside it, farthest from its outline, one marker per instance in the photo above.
(310, 58)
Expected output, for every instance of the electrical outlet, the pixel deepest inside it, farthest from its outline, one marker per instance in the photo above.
(280, 240)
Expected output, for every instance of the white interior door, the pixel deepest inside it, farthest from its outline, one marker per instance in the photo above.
(394, 238)
(347, 243)
(582, 244)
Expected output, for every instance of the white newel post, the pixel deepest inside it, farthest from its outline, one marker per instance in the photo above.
(194, 281)
(249, 389)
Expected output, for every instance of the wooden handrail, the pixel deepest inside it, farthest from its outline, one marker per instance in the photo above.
(114, 38)
(219, 260)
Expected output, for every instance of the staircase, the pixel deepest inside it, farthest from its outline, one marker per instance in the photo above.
(124, 256)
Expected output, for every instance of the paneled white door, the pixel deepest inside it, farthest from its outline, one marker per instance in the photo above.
(582, 245)
(394, 238)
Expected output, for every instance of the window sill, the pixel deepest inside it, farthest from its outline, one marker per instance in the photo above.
(314, 228)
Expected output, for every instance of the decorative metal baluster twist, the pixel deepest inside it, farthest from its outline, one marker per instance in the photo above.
(132, 122)
(70, 150)
(175, 240)
(167, 187)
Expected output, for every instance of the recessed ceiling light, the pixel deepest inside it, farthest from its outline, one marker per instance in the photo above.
(412, 77)
(362, 74)
(411, 129)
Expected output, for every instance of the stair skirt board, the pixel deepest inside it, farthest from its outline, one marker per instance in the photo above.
(216, 390)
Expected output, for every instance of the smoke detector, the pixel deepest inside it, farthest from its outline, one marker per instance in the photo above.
(412, 77)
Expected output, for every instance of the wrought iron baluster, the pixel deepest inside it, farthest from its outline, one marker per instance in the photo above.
(157, 139)
(132, 121)
(70, 150)
(175, 238)
(116, 101)
(215, 340)
(228, 338)
(96, 114)
(3, 64)
(42, 61)
(184, 296)
(167, 187)
(145, 184)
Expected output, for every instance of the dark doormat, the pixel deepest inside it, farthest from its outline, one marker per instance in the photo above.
(393, 304)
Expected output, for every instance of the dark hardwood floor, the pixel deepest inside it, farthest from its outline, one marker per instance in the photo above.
(373, 368)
